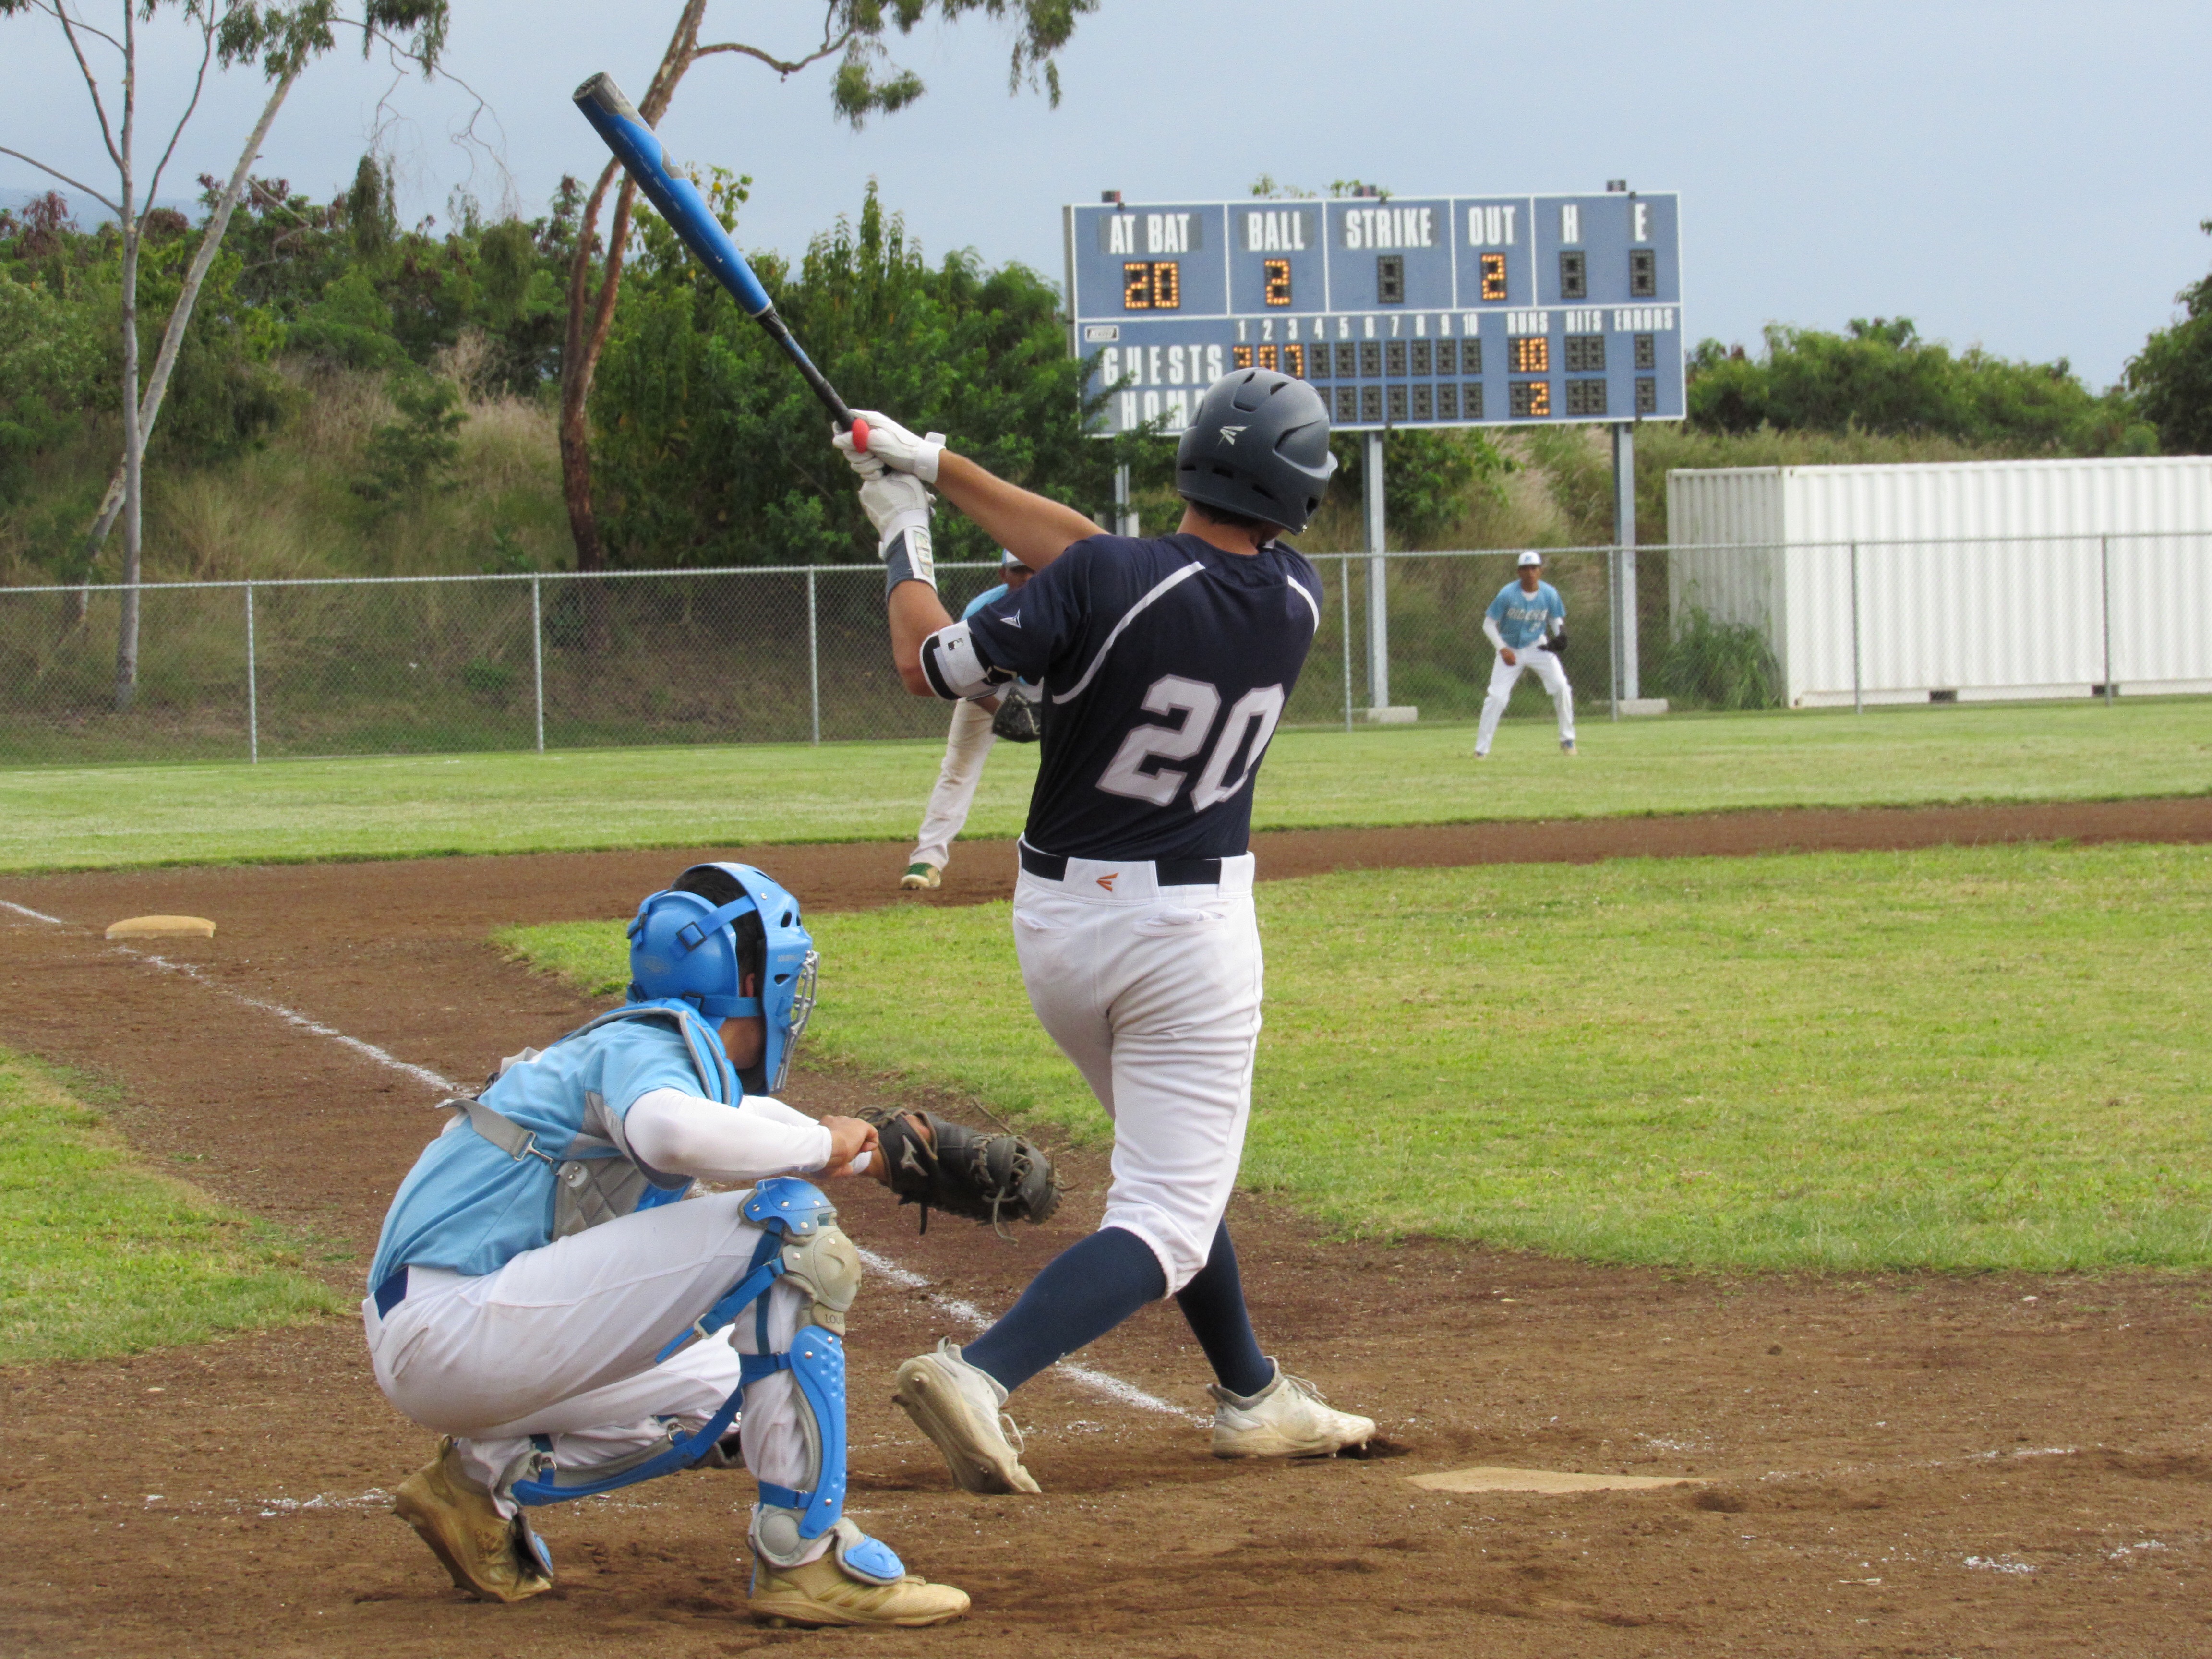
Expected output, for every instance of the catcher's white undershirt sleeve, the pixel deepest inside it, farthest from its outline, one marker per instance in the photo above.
(679, 1133)
(1490, 630)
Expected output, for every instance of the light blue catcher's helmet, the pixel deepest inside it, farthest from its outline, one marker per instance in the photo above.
(684, 948)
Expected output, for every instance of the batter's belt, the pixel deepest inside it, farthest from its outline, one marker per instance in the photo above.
(1169, 872)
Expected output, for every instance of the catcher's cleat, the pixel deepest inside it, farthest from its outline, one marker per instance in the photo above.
(487, 1554)
(1286, 1419)
(920, 876)
(827, 1592)
(958, 1407)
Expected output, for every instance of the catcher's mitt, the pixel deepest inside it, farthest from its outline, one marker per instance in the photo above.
(1017, 719)
(988, 1178)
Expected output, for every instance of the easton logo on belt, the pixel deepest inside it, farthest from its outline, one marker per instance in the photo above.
(1107, 880)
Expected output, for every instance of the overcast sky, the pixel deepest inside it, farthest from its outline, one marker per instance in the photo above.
(2026, 176)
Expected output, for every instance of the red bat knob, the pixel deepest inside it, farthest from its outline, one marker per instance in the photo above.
(860, 437)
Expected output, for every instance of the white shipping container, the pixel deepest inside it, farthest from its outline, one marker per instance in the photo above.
(1973, 580)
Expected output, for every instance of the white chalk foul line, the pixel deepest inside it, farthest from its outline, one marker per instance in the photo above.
(293, 1016)
(962, 1312)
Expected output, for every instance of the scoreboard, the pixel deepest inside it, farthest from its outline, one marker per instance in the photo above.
(1450, 310)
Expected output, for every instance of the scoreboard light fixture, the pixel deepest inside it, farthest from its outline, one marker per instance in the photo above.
(1386, 302)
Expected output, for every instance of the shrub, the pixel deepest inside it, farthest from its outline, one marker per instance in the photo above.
(1717, 664)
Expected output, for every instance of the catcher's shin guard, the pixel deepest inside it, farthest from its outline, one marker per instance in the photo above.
(800, 1241)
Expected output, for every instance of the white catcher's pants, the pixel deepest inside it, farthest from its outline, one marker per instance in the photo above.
(1154, 993)
(1503, 674)
(559, 1342)
(966, 746)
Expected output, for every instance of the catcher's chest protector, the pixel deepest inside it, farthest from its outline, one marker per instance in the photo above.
(595, 1182)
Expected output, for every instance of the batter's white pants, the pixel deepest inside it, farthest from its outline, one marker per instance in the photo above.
(559, 1342)
(1154, 993)
(1503, 676)
(966, 746)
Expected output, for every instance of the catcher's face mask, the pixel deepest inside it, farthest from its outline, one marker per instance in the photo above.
(699, 961)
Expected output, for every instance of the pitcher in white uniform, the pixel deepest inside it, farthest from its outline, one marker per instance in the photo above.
(966, 745)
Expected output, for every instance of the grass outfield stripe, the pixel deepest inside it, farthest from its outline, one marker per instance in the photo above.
(58, 817)
(1954, 1057)
(101, 1255)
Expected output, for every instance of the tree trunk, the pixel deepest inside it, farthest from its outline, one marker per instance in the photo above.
(157, 385)
(590, 316)
(134, 438)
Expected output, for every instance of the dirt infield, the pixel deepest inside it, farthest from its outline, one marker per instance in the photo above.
(1904, 1465)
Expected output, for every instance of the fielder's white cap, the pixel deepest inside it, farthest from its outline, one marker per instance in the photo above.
(1527, 559)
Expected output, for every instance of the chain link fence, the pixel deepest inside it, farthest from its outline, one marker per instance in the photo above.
(254, 671)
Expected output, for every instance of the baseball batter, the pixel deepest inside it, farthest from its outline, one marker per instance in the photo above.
(1164, 664)
(540, 1299)
(1528, 625)
(966, 748)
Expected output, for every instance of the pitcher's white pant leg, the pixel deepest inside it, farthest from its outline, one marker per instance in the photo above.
(1158, 1003)
(1554, 676)
(966, 745)
(1503, 676)
(559, 1342)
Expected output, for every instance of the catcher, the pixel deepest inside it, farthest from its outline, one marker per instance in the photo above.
(540, 1299)
(1011, 714)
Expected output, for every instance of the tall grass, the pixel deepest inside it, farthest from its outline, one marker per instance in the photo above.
(287, 508)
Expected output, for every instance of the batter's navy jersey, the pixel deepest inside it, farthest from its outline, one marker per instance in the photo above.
(1165, 662)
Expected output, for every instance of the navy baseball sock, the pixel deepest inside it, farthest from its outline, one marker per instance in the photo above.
(1213, 1303)
(1084, 1292)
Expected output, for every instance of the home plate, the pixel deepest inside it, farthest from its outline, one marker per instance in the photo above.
(1545, 1481)
(162, 927)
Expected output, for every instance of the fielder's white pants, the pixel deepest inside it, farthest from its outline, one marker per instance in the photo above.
(559, 1342)
(1154, 993)
(1503, 676)
(966, 746)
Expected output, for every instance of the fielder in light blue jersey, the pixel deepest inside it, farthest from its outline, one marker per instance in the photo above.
(1527, 624)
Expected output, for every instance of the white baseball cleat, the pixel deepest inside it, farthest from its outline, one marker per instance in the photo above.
(920, 875)
(1286, 1419)
(959, 1407)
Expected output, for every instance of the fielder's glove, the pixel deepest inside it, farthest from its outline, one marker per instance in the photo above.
(987, 1178)
(1558, 643)
(1017, 720)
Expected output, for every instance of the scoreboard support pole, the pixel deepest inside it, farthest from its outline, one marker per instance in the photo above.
(1125, 522)
(1378, 608)
(1626, 673)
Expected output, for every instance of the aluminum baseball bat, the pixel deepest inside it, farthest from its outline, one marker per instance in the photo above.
(678, 201)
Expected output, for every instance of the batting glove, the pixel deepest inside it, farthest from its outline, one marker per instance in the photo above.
(893, 445)
(899, 506)
(894, 502)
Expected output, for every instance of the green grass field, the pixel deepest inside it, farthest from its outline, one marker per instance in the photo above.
(1954, 1059)
(99, 1255)
(53, 817)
